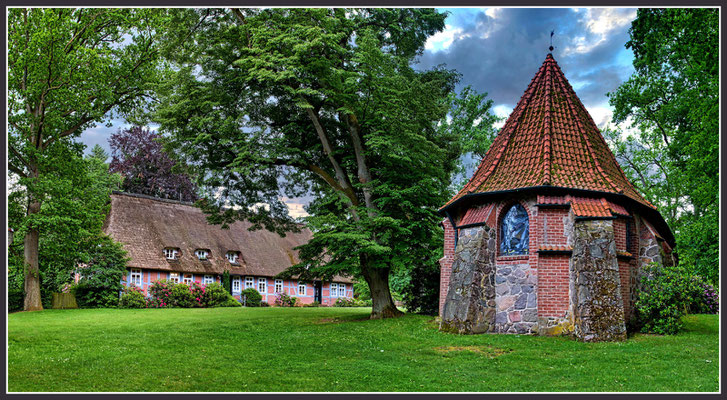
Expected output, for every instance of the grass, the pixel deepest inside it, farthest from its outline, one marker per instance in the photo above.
(334, 349)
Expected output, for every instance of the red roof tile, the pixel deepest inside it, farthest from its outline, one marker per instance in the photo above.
(476, 215)
(550, 139)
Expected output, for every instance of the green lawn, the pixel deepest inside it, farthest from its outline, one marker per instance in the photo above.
(334, 349)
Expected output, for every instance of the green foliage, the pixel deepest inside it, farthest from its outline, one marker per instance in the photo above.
(15, 299)
(69, 221)
(322, 102)
(250, 297)
(214, 295)
(132, 297)
(231, 301)
(673, 101)
(101, 276)
(313, 304)
(181, 295)
(226, 283)
(264, 304)
(663, 297)
(421, 295)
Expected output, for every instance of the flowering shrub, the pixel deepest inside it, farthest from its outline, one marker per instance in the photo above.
(181, 295)
(705, 298)
(132, 297)
(284, 300)
(344, 302)
(67, 287)
(160, 294)
(348, 302)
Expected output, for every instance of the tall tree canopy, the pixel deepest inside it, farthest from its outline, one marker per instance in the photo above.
(138, 155)
(68, 69)
(322, 101)
(673, 100)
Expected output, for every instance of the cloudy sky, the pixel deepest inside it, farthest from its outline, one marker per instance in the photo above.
(499, 50)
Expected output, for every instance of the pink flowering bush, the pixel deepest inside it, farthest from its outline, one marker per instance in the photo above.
(160, 294)
(284, 300)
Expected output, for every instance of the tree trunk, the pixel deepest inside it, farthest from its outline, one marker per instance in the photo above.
(382, 303)
(32, 275)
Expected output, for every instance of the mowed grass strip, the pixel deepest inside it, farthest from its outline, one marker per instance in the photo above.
(334, 349)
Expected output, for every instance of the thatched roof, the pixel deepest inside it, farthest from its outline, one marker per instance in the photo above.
(146, 226)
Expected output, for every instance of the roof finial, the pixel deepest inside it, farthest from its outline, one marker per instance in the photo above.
(551, 40)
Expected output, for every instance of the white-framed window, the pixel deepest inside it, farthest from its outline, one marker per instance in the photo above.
(236, 283)
(136, 277)
(262, 285)
(341, 290)
(202, 254)
(174, 277)
(232, 257)
(301, 289)
(171, 253)
(208, 279)
(249, 282)
(278, 286)
(188, 278)
(334, 289)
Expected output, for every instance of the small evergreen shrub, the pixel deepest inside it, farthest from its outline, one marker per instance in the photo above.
(251, 298)
(284, 300)
(662, 299)
(264, 304)
(226, 283)
(132, 297)
(230, 301)
(181, 296)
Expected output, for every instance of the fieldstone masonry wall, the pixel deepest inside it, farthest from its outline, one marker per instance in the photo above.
(598, 307)
(470, 303)
(516, 299)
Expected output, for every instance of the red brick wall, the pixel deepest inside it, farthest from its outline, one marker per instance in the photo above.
(619, 233)
(624, 273)
(553, 285)
(446, 263)
(551, 226)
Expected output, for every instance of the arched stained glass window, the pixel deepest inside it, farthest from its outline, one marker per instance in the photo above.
(514, 232)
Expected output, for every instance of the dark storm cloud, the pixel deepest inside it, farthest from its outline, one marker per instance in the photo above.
(501, 55)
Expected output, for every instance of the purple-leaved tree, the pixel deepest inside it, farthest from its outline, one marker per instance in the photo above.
(138, 155)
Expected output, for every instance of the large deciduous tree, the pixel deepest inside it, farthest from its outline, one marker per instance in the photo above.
(323, 101)
(138, 155)
(673, 101)
(68, 69)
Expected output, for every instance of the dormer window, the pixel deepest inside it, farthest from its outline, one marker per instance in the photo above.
(233, 257)
(171, 253)
(202, 254)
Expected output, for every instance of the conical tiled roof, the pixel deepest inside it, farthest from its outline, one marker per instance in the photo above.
(550, 140)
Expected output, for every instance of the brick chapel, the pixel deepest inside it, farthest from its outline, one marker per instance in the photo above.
(548, 236)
